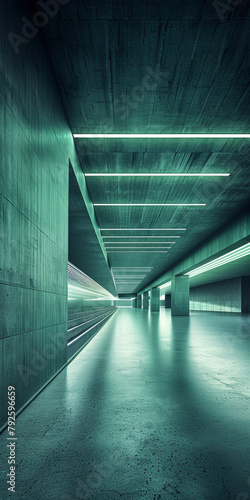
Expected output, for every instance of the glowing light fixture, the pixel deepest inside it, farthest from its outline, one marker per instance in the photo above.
(149, 204)
(142, 229)
(139, 237)
(165, 285)
(157, 175)
(238, 253)
(132, 248)
(161, 136)
(138, 242)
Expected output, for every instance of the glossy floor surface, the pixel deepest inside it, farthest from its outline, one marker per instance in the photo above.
(153, 408)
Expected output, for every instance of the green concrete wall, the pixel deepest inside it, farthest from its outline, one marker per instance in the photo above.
(123, 303)
(36, 145)
(224, 296)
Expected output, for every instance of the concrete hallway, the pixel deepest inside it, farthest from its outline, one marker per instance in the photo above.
(153, 407)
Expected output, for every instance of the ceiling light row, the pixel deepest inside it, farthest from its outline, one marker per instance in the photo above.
(162, 136)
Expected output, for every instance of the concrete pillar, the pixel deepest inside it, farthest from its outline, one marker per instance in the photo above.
(145, 300)
(138, 301)
(133, 303)
(180, 296)
(155, 299)
(168, 301)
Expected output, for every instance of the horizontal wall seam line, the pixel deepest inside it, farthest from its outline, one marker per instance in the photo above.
(36, 330)
(15, 285)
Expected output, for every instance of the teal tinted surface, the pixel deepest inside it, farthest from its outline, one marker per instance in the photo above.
(153, 407)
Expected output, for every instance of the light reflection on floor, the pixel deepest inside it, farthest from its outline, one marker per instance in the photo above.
(154, 407)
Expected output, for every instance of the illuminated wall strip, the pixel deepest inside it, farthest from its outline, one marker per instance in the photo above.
(79, 336)
(149, 204)
(157, 175)
(80, 290)
(220, 261)
(162, 136)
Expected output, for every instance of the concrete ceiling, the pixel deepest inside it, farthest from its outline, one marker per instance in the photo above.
(154, 67)
(234, 269)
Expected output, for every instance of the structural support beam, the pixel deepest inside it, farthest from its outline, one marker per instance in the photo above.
(138, 301)
(145, 300)
(180, 296)
(233, 235)
(155, 299)
(168, 301)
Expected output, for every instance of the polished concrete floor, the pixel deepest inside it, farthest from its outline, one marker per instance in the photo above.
(153, 408)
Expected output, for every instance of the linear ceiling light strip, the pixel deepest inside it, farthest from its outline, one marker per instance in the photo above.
(142, 229)
(224, 259)
(149, 204)
(165, 284)
(162, 136)
(156, 175)
(139, 237)
(138, 242)
(137, 248)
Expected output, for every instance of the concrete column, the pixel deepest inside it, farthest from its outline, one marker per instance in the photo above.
(180, 296)
(133, 303)
(145, 300)
(155, 299)
(168, 301)
(138, 301)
